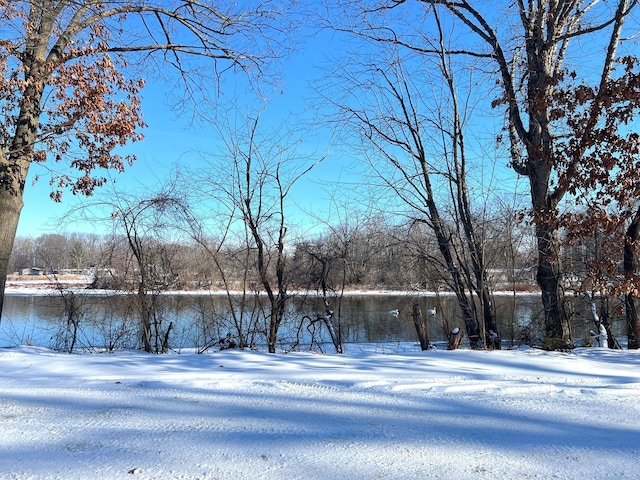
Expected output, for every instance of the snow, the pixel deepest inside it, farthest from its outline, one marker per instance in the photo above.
(368, 414)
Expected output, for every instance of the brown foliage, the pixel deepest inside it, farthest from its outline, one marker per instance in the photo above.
(601, 170)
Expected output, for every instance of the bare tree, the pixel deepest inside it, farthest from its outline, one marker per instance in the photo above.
(64, 95)
(230, 266)
(320, 260)
(418, 151)
(252, 180)
(51, 252)
(22, 254)
(339, 258)
(78, 255)
(148, 223)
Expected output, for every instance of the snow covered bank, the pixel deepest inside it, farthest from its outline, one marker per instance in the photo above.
(237, 415)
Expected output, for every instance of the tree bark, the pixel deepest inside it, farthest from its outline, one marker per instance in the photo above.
(492, 336)
(421, 329)
(629, 267)
(539, 143)
(549, 277)
(145, 317)
(17, 152)
(10, 207)
(14, 168)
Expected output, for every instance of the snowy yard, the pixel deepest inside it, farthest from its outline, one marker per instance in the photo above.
(364, 415)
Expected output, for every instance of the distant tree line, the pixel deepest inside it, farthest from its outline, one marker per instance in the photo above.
(373, 255)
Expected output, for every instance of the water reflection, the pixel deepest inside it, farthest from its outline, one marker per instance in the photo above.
(201, 320)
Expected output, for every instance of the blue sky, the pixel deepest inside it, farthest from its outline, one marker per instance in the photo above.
(172, 140)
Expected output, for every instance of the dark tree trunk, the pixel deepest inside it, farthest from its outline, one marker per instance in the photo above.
(14, 167)
(549, 274)
(335, 335)
(629, 267)
(145, 317)
(165, 341)
(445, 246)
(549, 278)
(421, 328)
(10, 208)
(493, 338)
(633, 322)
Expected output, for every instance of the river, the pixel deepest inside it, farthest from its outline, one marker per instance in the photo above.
(201, 320)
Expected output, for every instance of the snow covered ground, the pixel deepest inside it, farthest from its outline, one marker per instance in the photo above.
(363, 415)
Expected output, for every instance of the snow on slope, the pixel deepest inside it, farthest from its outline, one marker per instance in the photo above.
(250, 415)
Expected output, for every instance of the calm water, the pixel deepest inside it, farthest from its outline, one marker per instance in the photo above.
(201, 320)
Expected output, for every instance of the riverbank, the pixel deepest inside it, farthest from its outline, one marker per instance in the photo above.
(40, 285)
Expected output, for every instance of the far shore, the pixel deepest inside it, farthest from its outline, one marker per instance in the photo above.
(40, 285)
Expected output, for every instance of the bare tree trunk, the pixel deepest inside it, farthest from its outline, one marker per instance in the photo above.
(421, 329)
(336, 335)
(165, 341)
(274, 325)
(14, 167)
(492, 336)
(10, 208)
(633, 323)
(446, 248)
(145, 317)
(550, 279)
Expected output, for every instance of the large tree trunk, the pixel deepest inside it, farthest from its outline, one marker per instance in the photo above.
(549, 274)
(10, 208)
(421, 328)
(493, 337)
(16, 155)
(549, 278)
(629, 266)
(13, 175)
